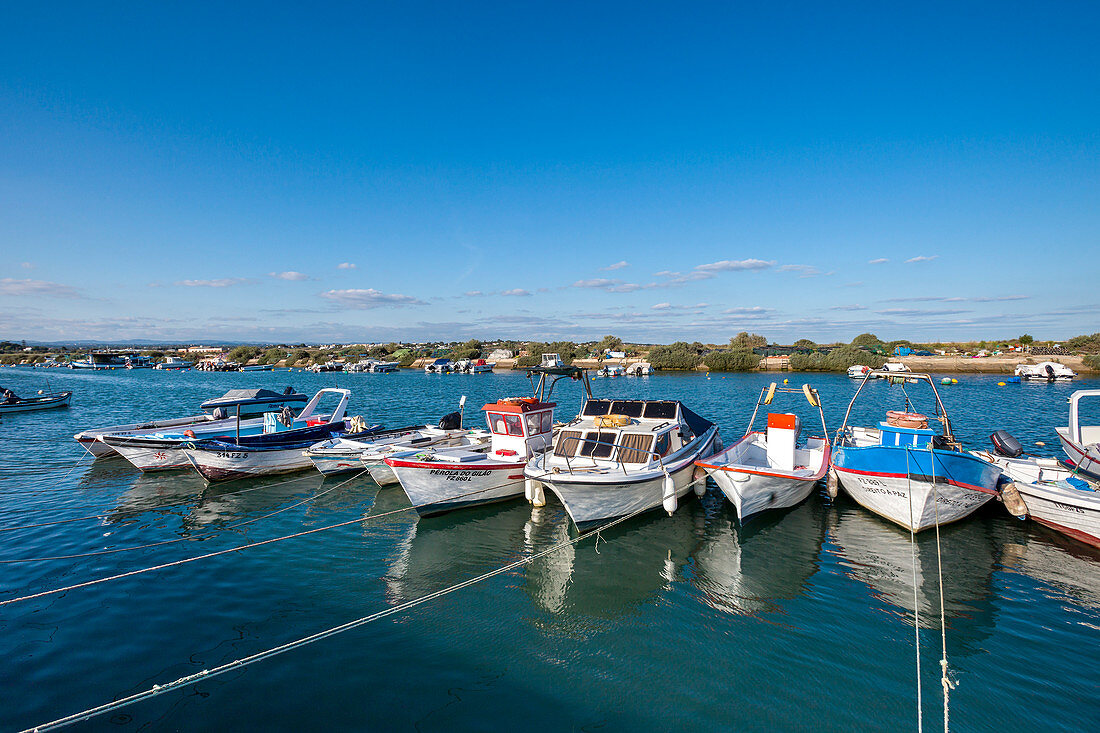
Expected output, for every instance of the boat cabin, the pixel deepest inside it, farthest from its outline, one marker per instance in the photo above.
(637, 432)
(521, 427)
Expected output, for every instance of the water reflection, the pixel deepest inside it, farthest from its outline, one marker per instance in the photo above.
(1068, 571)
(749, 570)
(631, 563)
(881, 557)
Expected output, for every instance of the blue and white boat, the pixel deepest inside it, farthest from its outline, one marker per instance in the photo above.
(101, 360)
(905, 471)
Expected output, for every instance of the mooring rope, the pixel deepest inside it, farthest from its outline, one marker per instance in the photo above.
(198, 538)
(916, 600)
(126, 512)
(945, 681)
(205, 674)
(208, 555)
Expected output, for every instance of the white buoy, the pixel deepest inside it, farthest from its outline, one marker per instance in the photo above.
(699, 477)
(669, 495)
(535, 492)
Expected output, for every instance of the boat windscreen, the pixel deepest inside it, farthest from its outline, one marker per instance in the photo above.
(698, 425)
(598, 445)
(630, 408)
(635, 447)
(594, 408)
(661, 409)
(568, 440)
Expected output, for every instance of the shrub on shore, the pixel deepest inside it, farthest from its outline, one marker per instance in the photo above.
(837, 360)
(680, 355)
(1092, 361)
(732, 360)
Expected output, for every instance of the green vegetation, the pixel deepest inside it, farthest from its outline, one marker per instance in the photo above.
(746, 340)
(837, 360)
(680, 355)
(804, 345)
(732, 360)
(1026, 340)
(1092, 361)
(1087, 344)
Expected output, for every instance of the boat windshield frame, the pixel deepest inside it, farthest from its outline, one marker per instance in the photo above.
(902, 378)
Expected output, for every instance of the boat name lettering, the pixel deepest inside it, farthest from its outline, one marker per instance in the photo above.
(876, 487)
(1067, 507)
(458, 475)
(230, 455)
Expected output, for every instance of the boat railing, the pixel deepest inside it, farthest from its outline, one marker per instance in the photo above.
(619, 447)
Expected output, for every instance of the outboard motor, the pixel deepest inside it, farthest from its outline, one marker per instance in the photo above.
(1050, 373)
(451, 421)
(288, 390)
(219, 413)
(1006, 445)
(286, 416)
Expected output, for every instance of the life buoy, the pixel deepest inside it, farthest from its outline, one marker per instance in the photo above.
(189, 433)
(612, 421)
(899, 419)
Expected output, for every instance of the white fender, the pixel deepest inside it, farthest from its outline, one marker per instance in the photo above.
(669, 495)
(537, 491)
(832, 484)
(699, 476)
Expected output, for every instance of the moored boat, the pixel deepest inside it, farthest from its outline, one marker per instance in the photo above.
(171, 363)
(10, 402)
(1081, 443)
(1052, 495)
(770, 469)
(621, 457)
(858, 371)
(905, 471)
(159, 450)
(1047, 371)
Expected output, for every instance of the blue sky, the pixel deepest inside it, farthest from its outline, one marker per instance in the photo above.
(368, 172)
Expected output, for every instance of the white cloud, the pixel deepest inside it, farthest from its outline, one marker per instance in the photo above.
(27, 265)
(661, 306)
(365, 299)
(598, 282)
(802, 270)
(516, 291)
(878, 261)
(616, 266)
(735, 265)
(848, 308)
(14, 286)
(755, 310)
(473, 293)
(346, 266)
(290, 275)
(921, 258)
(223, 282)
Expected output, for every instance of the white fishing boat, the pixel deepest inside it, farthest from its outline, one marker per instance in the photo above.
(621, 457)
(159, 449)
(639, 369)
(771, 469)
(1047, 371)
(1052, 495)
(278, 450)
(439, 366)
(611, 370)
(174, 362)
(329, 366)
(341, 455)
(1081, 443)
(252, 403)
(551, 361)
(905, 471)
(103, 360)
(438, 481)
(858, 371)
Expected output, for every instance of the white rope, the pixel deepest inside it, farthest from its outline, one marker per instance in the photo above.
(916, 600)
(945, 681)
(198, 538)
(184, 561)
(157, 690)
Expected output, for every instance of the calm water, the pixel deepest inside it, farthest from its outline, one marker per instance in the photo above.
(800, 619)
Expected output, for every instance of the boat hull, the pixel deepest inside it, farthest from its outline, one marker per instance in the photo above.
(438, 487)
(933, 486)
(1072, 512)
(334, 463)
(1085, 459)
(38, 403)
(216, 464)
(382, 474)
(89, 439)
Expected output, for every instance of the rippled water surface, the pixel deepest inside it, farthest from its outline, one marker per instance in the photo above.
(799, 619)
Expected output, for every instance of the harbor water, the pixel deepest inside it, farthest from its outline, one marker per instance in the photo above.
(800, 619)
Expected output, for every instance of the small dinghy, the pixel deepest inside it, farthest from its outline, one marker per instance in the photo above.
(11, 402)
(621, 457)
(905, 471)
(770, 470)
(859, 371)
(1052, 495)
(1081, 443)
